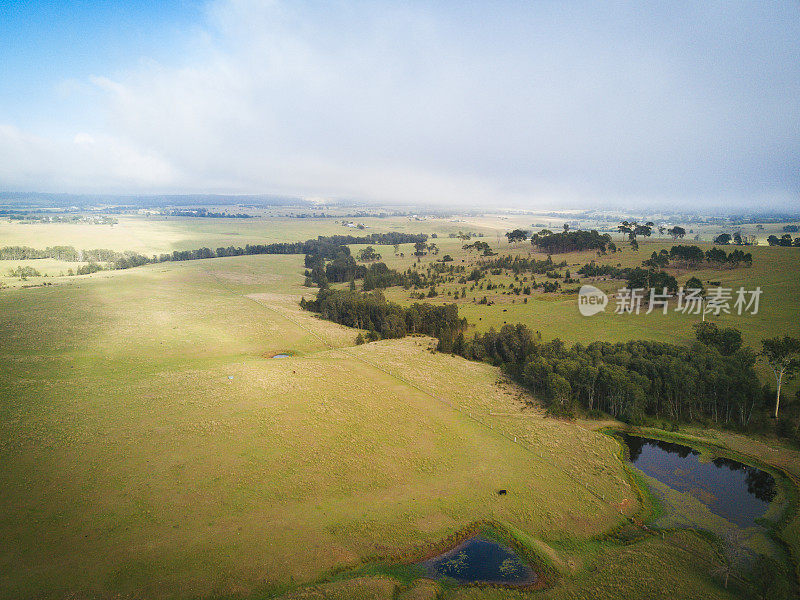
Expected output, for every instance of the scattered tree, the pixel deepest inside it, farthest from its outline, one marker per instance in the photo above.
(368, 254)
(695, 284)
(727, 340)
(676, 232)
(723, 239)
(783, 356)
(517, 235)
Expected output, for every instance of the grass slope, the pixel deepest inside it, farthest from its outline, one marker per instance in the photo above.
(150, 448)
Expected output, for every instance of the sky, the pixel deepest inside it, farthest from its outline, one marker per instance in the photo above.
(499, 104)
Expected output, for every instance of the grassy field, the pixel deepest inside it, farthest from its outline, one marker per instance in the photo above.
(151, 447)
(556, 314)
(150, 235)
(148, 434)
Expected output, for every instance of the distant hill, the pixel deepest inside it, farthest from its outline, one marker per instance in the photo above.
(41, 200)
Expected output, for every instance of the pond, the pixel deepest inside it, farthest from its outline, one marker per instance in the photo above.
(281, 356)
(481, 560)
(732, 490)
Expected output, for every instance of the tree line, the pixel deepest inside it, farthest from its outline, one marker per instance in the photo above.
(784, 240)
(677, 256)
(382, 319)
(693, 256)
(713, 380)
(66, 253)
(630, 380)
(326, 247)
(204, 213)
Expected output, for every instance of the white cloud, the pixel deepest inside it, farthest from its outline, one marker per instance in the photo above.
(87, 163)
(489, 103)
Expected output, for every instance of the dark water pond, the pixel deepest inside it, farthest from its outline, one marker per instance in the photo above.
(481, 560)
(735, 491)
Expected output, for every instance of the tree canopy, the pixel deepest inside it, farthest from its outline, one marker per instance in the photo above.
(570, 241)
(517, 235)
(627, 380)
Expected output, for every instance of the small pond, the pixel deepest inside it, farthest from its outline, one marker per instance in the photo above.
(481, 560)
(730, 489)
(281, 356)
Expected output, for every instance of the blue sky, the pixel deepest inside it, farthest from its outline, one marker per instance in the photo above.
(535, 104)
(49, 49)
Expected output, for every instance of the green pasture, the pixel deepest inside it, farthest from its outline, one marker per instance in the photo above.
(151, 447)
(774, 270)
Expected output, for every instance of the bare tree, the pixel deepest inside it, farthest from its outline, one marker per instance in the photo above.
(732, 555)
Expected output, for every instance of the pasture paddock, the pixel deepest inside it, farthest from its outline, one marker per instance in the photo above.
(150, 448)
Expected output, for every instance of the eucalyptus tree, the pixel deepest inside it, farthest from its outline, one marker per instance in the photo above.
(783, 356)
(518, 235)
(676, 232)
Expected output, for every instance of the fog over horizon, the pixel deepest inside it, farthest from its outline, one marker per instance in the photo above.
(677, 106)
